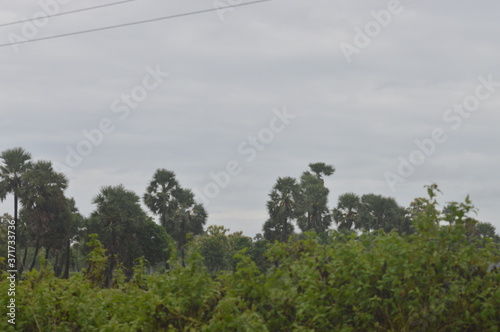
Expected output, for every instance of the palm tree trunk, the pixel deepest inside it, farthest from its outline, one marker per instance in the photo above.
(285, 231)
(37, 248)
(68, 253)
(23, 264)
(15, 208)
(182, 256)
(183, 235)
(15, 221)
(109, 272)
(77, 267)
(57, 268)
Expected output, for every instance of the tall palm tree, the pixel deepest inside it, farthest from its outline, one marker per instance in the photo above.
(315, 215)
(160, 196)
(282, 208)
(15, 162)
(42, 195)
(189, 219)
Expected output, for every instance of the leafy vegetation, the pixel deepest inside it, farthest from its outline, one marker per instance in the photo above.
(384, 268)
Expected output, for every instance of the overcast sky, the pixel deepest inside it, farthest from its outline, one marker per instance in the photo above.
(395, 95)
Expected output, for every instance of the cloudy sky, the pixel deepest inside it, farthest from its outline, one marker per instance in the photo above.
(394, 94)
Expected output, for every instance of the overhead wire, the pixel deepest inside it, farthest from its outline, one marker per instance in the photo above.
(133, 23)
(66, 13)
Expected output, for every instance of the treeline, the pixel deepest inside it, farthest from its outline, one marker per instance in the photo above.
(49, 224)
(438, 278)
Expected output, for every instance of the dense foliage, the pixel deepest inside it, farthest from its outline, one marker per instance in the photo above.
(384, 268)
(435, 279)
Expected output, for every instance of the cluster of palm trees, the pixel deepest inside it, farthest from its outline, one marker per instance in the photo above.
(305, 203)
(46, 219)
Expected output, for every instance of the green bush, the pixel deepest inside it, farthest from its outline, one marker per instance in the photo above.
(435, 279)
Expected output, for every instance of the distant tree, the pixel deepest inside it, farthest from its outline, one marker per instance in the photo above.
(73, 226)
(257, 252)
(321, 169)
(347, 212)
(161, 197)
(15, 162)
(315, 214)
(188, 219)
(378, 212)
(57, 242)
(118, 220)
(179, 214)
(214, 247)
(486, 230)
(239, 242)
(42, 195)
(218, 248)
(155, 242)
(283, 208)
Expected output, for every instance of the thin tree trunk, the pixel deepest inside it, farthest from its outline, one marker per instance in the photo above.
(23, 264)
(15, 221)
(109, 271)
(37, 248)
(15, 208)
(77, 267)
(183, 234)
(57, 269)
(68, 253)
(182, 256)
(286, 231)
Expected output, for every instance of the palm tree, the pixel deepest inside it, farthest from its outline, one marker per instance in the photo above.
(42, 195)
(15, 163)
(189, 219)
(320, 169)
(160, 196)
(315, 214)
(118, 220)
(346, 214)
(282, 208)
(378, 212)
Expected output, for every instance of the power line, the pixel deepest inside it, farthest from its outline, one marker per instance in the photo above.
(132, 23)
(66, 13)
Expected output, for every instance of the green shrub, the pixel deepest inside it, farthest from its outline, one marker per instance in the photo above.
(435, 279)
